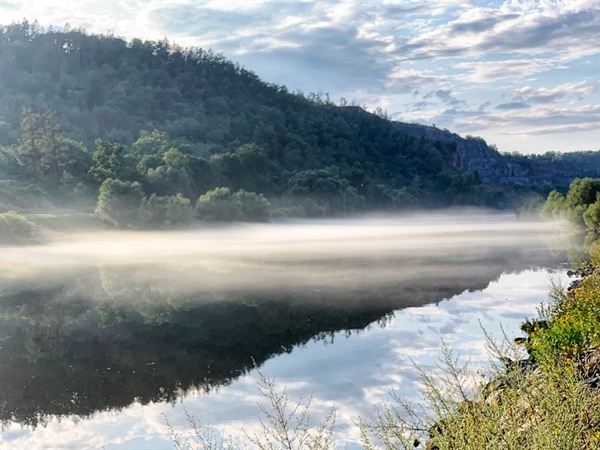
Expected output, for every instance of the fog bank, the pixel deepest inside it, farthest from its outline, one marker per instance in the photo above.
(334, 254)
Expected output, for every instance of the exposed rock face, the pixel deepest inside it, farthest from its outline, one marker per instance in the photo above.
(474, 155)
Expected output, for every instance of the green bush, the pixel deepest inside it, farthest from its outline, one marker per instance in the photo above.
(119, 202)
(581, 205)
(15, 229)
(591, 216)
(16, 195)
(571, 326)
(170, 210)
(220, 205)
(253, 207)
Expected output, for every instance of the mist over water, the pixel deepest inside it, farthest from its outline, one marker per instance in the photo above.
(332, 254)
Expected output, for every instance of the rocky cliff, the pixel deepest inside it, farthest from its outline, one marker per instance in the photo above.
(473, 154)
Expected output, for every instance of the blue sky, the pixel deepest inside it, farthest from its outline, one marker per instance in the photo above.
(522, 74)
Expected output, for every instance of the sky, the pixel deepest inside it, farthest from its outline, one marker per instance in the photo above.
(522, 74)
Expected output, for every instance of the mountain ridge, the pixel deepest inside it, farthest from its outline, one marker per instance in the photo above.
(62, 91)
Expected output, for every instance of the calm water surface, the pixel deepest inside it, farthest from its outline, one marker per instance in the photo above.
(105, 337)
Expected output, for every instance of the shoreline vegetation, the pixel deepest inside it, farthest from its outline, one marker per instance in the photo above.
(579, 206)
(548, 399)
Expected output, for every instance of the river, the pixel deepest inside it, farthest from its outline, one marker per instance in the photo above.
(107, 339)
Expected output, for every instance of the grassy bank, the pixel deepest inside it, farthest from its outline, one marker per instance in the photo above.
(551, 399)
(37, 228)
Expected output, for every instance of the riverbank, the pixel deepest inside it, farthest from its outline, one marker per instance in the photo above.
(551, 399)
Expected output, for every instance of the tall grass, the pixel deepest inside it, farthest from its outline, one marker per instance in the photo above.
(283, 425)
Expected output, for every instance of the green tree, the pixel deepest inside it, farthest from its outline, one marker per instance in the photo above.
(44, 154)
(579, 206)
(555, 204)
(171, 210)
(52, 150)
(29, 151)
(247, 168)
(15, 229)
(167, 180)
(175, 159)
(153, 142)
(119, 202)
(591, 217)
(221, 205)
(582, 192)
(112, 160)
(218, 205)
(253, 207)
(180, 210)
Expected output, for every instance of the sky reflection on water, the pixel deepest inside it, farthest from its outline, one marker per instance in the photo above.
(354, 373)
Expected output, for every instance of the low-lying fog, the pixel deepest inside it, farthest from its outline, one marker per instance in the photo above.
(333, 254)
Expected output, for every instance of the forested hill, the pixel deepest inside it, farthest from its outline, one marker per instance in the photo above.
(158, 120)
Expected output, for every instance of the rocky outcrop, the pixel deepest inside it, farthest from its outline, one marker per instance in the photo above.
(473, 154)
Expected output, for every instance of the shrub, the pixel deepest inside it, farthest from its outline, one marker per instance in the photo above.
(15, 229)
(591, 216)
(119, 202)
(16, 194)
(170, 210)
(572, 325)
(220, 205)
(253, 207)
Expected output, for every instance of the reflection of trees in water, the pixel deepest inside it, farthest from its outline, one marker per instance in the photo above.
(100, 339)
(575, 245)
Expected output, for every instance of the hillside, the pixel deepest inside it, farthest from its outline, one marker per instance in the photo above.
(78, 109)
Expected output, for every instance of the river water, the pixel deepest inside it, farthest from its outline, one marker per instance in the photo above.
(108, 339)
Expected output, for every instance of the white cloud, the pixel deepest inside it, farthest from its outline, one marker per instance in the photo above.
(508, 69)
(525, 27)
(537, 120)
(548, 95)
(407, 79)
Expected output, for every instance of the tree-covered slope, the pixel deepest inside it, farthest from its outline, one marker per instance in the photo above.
(79, 109)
